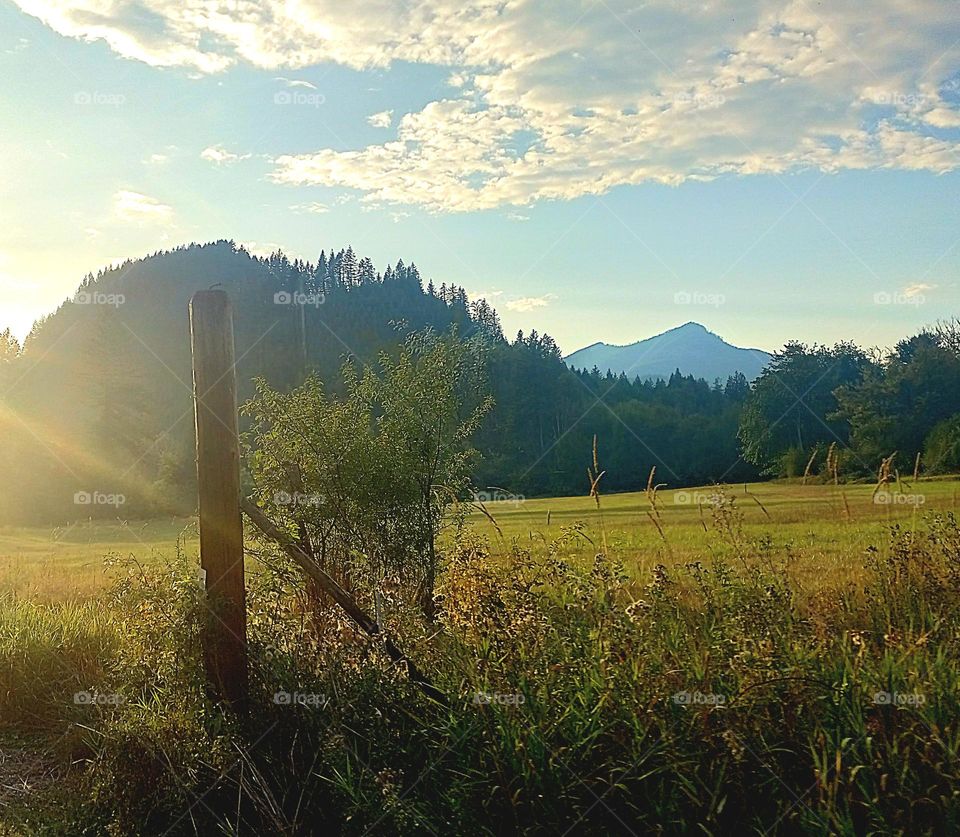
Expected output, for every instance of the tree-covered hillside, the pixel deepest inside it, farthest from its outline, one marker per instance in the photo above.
(97, 405)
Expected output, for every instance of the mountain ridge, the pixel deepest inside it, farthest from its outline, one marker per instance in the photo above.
(691, 347)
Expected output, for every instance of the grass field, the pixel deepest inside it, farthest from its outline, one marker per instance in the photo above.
(722, 700)
(818, 529)
(67, 562)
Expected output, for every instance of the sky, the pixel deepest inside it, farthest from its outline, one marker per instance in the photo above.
(601, 171)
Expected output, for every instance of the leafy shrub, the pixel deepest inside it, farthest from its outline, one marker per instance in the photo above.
(941, 449)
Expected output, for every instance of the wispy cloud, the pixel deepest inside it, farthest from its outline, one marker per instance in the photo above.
(219, 155)
(263, 249)
(530, 303)
(296, 82)
(313, 207)
(608, 94)
(487, 295)
(918, 289)
(135, 206)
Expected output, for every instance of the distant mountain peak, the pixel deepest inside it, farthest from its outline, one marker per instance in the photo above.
(692, 348)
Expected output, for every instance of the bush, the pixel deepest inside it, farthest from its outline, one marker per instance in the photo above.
(941, 449)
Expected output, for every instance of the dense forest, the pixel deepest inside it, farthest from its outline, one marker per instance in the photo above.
(97, 413)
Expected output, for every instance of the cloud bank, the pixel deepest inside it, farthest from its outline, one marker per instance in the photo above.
(555, 99)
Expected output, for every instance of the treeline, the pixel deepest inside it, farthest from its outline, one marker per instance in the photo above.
(97, 414)
(903, 406)
(539, 438)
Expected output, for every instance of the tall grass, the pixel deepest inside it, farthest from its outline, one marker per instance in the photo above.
(714, 697)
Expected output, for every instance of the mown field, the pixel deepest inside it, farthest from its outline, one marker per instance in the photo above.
(818, 529)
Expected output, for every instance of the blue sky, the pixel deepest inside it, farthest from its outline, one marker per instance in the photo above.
(598, 170)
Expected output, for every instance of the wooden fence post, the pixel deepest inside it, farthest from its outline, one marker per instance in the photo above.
(218, 481)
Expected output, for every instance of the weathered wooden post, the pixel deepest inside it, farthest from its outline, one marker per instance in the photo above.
(218, 480)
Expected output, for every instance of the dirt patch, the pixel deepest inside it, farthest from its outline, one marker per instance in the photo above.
(24, 771)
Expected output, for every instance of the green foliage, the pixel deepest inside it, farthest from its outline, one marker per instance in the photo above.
(941, 449)
(47, 654)
(897, 405)
(102, 400)
(793, 404)
(371, 474)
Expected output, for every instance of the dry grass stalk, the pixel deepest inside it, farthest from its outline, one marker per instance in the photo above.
(885, 472)
(594, 477)
(833, 463)
(756, 500)
(813, 456)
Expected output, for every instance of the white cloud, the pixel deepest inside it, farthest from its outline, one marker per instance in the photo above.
(134, 206)
(219, 155)
(384, 119)
(487, 295)
(313, 207)
(517, 216)
(918, 289)
(19, 46)
(263, 249)
(529, 303)
(553, 99)
(296, 82)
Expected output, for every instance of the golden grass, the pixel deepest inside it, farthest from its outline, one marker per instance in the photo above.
(66, 563)
(820, 530)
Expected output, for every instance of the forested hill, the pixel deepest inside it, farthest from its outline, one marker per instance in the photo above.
(100, 398)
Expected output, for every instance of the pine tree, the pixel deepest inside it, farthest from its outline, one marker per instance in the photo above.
(348, 268)
(366, 273)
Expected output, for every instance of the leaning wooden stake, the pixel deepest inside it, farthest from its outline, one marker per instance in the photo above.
(339, 595)
(218, 480)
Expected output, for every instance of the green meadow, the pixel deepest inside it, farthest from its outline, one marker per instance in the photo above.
(774, 657)
(819, 530)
